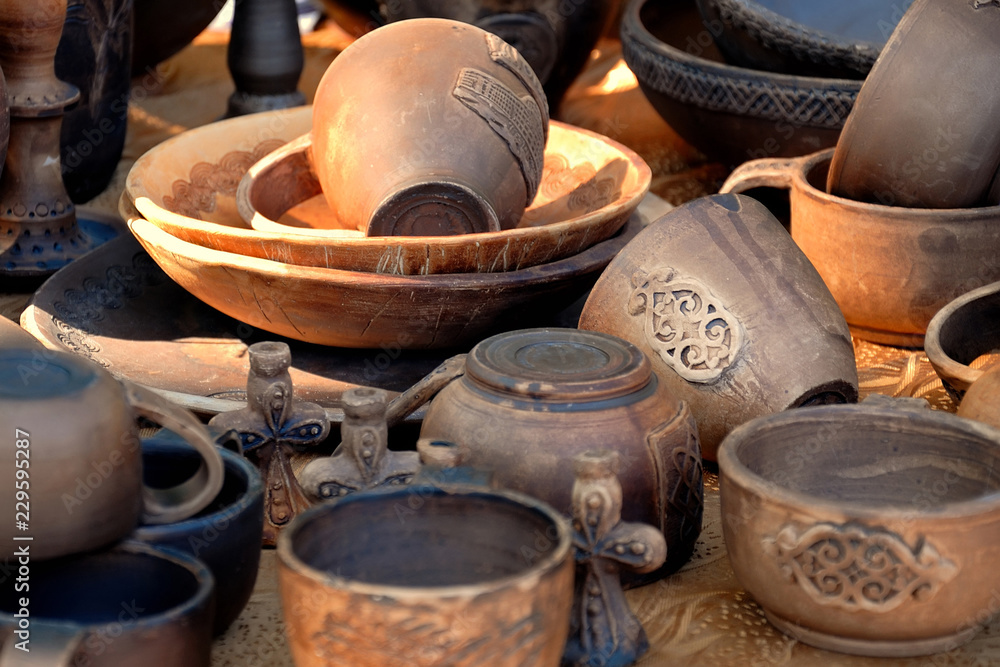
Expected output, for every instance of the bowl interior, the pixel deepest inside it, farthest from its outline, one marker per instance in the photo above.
(91, 589)
(426, 538)
(857, 20)
(679, 25)
(972, 330)
(879, 461)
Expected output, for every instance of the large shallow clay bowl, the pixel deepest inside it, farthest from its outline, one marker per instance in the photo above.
(960, 334)
(869, 529)
(730, 113)
(829, 39)
(187, 186)
(922, 133)
(890, 268)
(366, 310)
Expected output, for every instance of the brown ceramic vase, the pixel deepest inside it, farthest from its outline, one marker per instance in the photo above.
(424, 576)
(733, 316)
(533, 399)
(921, 133)
(867, 529)
(890, 268)
(429, 127)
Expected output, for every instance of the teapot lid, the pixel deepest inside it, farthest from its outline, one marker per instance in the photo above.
(560, 364)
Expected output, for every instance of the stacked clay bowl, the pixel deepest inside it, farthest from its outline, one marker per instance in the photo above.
(356, 291)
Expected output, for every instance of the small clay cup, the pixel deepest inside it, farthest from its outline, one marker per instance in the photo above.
(226, 536)
(73, 456)
(735, 319)
(425, 576)
(429, 127)
(868, 529)
(533, 399)
(131, 605)
(890, 268)
(962, 331)
(922, 131)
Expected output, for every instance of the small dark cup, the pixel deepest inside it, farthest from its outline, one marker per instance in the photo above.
(226, 536)
(130, 605)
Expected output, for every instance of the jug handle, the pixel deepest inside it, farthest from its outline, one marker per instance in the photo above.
(766, 172)
(50, 645)
(190, 497)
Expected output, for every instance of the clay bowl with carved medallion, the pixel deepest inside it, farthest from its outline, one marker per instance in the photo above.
(187, 186)
(423, 576)
(869, 529)
(733, 316)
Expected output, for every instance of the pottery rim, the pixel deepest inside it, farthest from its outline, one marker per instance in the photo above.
(951, 371)
(548, 563)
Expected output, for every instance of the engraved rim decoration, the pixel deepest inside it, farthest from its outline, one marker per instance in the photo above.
(686, 324)
(855, 567)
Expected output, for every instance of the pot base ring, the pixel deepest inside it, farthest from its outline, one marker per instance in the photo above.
(871, 647)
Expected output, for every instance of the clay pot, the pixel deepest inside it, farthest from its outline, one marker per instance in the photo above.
(962, 331)
(890, 268)
(225, 536)
(448, 138)
(732, 114)
(164, 27)
(423, 576)
(982, 401)
(131, 605)
(95, 55)
(868, 528)
(921, 133)
(531, 400)
(826, 39)
(733, 316)
(554, 36)
(76, 426)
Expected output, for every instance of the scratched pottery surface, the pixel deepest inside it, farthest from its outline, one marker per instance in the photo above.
(735, 319)
(890, 268)
(188, 186)
(420, 577)
(865, 529)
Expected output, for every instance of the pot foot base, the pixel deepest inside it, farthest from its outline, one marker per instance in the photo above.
(867, 647)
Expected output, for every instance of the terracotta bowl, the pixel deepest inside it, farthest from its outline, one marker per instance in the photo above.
(829, 39)
(960, 334)
(424, 576)
(868, 529)
(353, 309)
(890, 268)
(922, 132)
(730, 113)
(187, 186)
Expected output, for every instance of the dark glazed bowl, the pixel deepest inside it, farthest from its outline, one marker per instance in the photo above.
(164, 27)
(730, 113)
(554, 36)
(959, 333)
(226, 536)
(830, 39)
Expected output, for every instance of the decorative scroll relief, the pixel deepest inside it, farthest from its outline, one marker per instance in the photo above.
(854, 567)
(686, 324)
(516, 120)
(508, 57)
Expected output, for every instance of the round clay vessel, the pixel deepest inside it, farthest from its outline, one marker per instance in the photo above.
(962, 331)
(982, 400)
(129, 605)
(448, 138)
(733, 316)
(76, 425)
(827, 39)
(555, 37)
(730, 113)
(164, 27)
(226, 536)
(866, 529)
(921, 133)
(380, 578)
(533, 399)
(890, 268)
